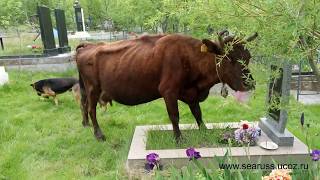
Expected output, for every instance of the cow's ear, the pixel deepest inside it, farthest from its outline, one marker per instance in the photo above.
(212, 47)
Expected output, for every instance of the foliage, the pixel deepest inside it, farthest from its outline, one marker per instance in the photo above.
(196, 170)
(10, 13)
(280, 23)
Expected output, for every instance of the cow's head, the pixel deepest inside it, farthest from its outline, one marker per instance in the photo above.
(232, 61)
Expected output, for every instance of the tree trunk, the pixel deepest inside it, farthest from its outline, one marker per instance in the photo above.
(310, 56)
(305, 46)
(185, 28)
(164, 25)
(314, 68)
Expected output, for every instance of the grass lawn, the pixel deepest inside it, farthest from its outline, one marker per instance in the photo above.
(13, 45)
(39, 140)
(163, 139)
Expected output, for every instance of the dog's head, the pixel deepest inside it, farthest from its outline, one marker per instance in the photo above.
(34, 88)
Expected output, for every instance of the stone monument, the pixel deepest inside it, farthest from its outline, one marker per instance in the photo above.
(49, 45)
(4, 76)
(274, 124)
(79, 17)
(62, 31)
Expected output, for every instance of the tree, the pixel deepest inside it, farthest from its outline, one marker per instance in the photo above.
(10, 13)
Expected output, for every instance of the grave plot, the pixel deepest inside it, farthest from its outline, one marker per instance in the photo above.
(53, 57)
(276, 143)
(243, 155)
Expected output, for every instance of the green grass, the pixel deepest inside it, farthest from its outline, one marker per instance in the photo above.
(39, 140)
(13, 45)
(164, 139)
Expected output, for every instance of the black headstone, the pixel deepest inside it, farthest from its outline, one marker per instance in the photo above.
(275, 92)
(78, 15)
(47, 31)
(62, 30)
(274, 124)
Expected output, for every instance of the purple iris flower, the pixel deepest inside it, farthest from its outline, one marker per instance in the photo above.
(193, 154)
(238, 135)
(258, 131)
(315, 155)
(149, 167)
(153, 160)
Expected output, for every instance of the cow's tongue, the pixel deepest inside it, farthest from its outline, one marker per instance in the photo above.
(242, 96)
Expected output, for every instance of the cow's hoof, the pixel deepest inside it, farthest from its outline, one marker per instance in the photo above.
(203, 127)
(179, 139)
(85, 124)
(100, 137)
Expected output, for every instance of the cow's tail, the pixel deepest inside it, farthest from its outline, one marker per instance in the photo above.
(80, 46)
(82, 88)
(81, 83)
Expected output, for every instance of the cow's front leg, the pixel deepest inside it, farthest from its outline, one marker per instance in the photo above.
(196, 112)
(173, 112)
(169, 88)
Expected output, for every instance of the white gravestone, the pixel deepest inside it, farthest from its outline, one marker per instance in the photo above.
(4, 77)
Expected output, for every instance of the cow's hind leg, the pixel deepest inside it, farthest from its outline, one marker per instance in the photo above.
(84, 102)
(171, 100)
(92, 103)
(84, 108)
(196, 112)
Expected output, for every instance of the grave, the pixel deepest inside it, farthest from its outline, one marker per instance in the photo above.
(53, 58)
(46, 29)
(62, 31)
(4, 76)
(178, 158)
(79, 17)
(273, 126)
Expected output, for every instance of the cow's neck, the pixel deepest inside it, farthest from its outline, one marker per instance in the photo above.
(210, 77)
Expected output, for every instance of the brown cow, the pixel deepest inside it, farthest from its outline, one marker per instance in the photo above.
(175, 67)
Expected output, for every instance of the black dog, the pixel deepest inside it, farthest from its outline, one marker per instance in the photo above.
(52, 87)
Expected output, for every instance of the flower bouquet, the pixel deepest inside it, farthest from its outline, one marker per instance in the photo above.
(247, 134)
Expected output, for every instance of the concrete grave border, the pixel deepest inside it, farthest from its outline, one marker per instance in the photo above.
(61, 62)
(298, 153)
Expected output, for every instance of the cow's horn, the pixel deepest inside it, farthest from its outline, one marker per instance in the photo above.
(221, 33)
(252, 37)
(220, 38)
